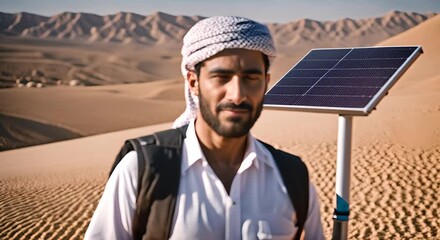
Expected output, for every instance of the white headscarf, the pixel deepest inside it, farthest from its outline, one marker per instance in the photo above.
(213, 35)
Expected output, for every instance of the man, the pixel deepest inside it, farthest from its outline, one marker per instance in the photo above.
(230, 187)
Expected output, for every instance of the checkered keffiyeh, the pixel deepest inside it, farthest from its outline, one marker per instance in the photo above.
(213, 35)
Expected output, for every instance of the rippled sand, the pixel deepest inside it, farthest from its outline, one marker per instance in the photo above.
(394, 189)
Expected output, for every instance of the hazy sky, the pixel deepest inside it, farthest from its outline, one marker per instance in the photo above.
(261, 10)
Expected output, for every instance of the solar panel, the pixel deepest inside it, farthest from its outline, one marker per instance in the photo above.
(343, 80)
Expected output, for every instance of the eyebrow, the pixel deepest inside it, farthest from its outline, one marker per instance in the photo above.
(221, 71)
(226, 71)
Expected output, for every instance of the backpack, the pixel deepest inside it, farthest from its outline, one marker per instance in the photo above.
(159, 164)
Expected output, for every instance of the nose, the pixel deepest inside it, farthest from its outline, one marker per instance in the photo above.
(236, 91)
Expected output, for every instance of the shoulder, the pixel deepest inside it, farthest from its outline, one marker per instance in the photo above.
(128, 166)
(129, 159)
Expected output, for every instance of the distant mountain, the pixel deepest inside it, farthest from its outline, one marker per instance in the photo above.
(345, 32)
(121, 27)
(165, 28)
(15, 24)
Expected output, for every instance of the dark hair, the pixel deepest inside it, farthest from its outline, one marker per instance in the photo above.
(265, 60)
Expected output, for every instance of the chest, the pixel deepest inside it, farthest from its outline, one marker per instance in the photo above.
(257, 202)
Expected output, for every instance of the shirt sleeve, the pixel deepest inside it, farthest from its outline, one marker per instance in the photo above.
(113, 216)
(313, 225)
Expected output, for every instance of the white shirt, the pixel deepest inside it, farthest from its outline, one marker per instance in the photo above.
(258, 206)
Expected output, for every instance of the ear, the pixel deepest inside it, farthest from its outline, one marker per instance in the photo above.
(193, 82)
(267, 79)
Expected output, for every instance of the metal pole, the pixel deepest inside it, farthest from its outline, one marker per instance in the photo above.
(342, 209)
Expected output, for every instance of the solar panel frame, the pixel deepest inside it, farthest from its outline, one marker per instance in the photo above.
(350, 110)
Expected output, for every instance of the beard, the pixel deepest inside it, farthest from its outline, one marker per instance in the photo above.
(233, 127)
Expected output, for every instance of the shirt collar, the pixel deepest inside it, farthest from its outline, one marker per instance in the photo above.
(194, 153)
(255, 153)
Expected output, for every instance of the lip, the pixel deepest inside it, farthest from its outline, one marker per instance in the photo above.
(236, 111)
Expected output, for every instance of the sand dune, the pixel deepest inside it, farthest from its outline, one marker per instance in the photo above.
(50, 191)
(427, 66)
(89, 111)
(19, 132)
(90, 64)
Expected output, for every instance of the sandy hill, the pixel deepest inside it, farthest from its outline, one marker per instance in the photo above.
(425, 69)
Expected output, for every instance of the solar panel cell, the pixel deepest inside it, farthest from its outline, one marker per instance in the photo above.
(306, 73)
(286, 100)
(298, 81)
(335, 54)
(361, 82)
(316, 64)
(367, 63)
(333, 101)
(380, 53)
(362, 73)
(289, 90)
(344, 91)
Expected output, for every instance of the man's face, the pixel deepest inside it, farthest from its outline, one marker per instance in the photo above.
(231, 89)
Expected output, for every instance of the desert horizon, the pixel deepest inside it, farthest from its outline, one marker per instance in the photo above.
(38, 53)
(72, 92)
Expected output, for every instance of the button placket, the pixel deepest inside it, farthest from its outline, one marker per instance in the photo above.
(234, 210)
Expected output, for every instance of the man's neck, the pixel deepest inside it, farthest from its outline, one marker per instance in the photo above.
(223, 154)
(229, 150)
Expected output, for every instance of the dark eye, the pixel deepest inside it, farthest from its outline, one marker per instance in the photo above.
(252, 77)
(221, 77)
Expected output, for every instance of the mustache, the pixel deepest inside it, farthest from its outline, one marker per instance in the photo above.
(232, 106)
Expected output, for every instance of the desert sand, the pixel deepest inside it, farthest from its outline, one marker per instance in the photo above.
(50, 191)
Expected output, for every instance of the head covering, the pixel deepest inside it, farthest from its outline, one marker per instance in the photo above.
(213, 35)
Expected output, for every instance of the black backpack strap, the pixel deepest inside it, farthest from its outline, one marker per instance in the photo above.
(159, 164)
(126, 148)
(296, 179)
